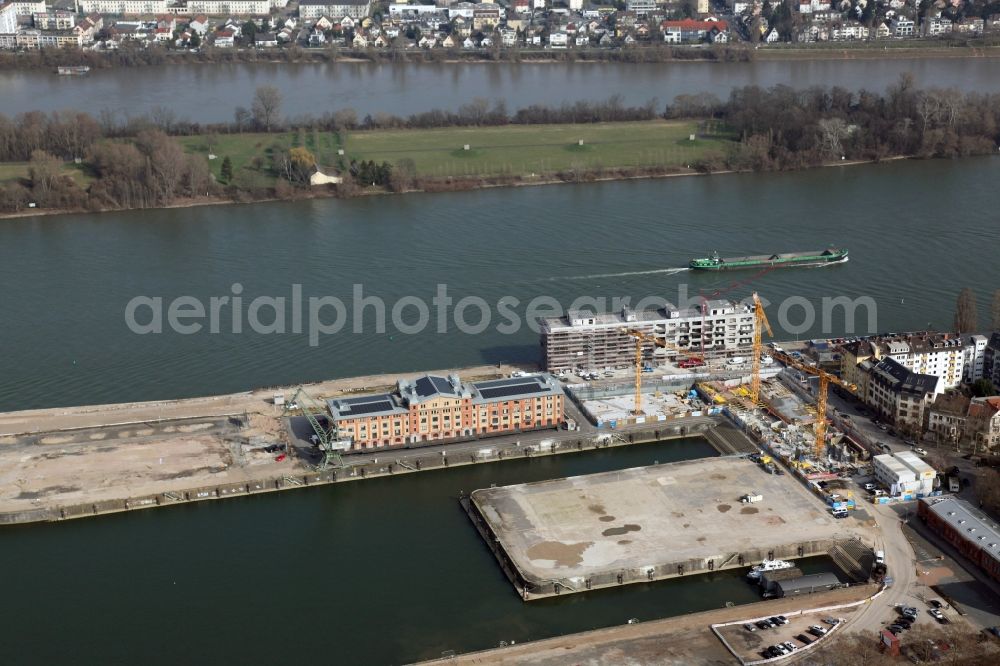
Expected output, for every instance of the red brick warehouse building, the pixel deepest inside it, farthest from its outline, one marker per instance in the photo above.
(972, 532)
(432, 408)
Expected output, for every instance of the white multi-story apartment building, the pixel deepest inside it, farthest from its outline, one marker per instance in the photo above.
(903, 27)
(56, 20)
(123, 6)
(974, 361)
(592, 341)
(229, 7)
(8, 21)
(313, 9)
(23, 8)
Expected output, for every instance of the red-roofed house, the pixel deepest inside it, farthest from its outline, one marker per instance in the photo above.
(224, 39)
(691, 30)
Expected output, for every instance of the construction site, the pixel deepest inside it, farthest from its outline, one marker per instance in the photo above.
(73, 462)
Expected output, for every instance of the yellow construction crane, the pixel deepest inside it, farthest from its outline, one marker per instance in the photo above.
(760, 324)
(641, 337)
(825, 379)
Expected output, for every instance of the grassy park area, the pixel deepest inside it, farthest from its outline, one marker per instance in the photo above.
(439, 153)
(526, 149)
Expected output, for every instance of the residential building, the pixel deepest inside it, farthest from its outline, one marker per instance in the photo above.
(957, 419)
(974, 357)
(124, 7)
(991, 360)
(225, 39)
(848, 32)
(55, 20)
(312, 9)
(903, 27)
(26, 8)
(486, 16)
(229, 7)
(937, 26)
(592, 341)
(690, 30)
(904, 473)
(199, 24)
(641, 7)
(432, 408)
(8, 21)
(900, 395)
(558, 40)
(942, 355)
(972, 532)
(971, 25)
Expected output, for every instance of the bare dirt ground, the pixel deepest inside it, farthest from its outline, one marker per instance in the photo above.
(52, 458)
(673, 641)
(256, 401)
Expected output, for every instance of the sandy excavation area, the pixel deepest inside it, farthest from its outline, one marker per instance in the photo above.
(59, 469)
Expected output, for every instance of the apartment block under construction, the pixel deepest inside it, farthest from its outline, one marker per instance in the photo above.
(592, 341)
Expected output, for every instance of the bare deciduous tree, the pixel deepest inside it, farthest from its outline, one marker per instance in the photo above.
(995, 311)
(266, 107)
(966, 312)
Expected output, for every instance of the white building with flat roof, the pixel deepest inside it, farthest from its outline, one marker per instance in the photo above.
(904, 473)
(597, 340)
(123, 6)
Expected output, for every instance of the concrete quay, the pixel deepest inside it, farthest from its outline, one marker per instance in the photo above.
(571, 535)
(115, 458)
(674, 641)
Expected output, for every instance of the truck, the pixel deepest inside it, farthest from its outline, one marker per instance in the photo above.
(879, 557)
(736, 360)
(954, 485)
(752, 497)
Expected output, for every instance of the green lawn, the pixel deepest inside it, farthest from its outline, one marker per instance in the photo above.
(536, 148)
(253, 154)
(12, 171)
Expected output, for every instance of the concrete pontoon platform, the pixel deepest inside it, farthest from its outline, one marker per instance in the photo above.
(648, 523)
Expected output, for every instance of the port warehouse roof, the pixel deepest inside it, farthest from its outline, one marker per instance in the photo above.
(429, 387)
(807, 583)
(668, 311)
(973, 525)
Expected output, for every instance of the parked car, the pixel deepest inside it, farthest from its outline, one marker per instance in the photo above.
(936, 603)
(749, 627)
(763, 624)
(920, 452)
(832, 621)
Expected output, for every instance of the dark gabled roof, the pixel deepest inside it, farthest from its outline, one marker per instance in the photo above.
(429, 385)
(903, 379)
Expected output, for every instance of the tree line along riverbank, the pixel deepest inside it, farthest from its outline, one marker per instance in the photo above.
(131, 55)
(72, 161)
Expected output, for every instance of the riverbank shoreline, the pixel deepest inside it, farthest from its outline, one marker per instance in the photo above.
(329, 193)
(636, 56)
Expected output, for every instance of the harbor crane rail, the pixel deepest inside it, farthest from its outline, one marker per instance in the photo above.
(325, 438)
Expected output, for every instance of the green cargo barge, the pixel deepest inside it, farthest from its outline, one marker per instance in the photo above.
(787, 260)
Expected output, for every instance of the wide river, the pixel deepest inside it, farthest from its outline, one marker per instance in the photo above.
(210, 93)
(390, 570)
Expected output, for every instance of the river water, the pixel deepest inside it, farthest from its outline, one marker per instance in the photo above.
(375, 572)
(918, 232)
(386, 571)
(210, 93)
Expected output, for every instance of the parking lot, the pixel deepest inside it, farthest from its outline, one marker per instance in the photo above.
(754, 645)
